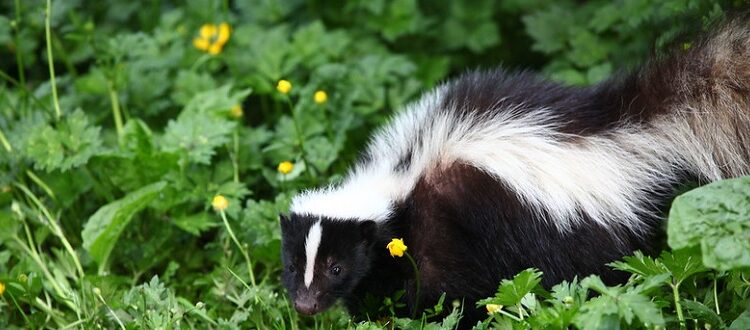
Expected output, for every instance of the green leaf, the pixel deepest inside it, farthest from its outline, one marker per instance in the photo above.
(511, 292)
(195, 136)
(598, 313)
(549, 28)
(195, 223)
(714, 217)
(640, 264)
(70, 145)
(634, 304)
(103, 229)
(682, 264)
(8, 224)
(742, 322)
(699, 311)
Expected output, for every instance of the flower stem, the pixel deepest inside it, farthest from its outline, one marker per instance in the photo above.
(116, 113)
(515, 318)
(235, 155)
(239, 246)
(677, 305)
(416, 280)
(716, 300)
(50, 59)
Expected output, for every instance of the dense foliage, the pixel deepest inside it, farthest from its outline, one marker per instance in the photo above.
(147, 148)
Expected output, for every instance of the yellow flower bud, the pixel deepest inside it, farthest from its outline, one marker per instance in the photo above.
(236, 112)
(396, 247)
(2, 288)
(220, 203)
(320, 97)
(284, 86)
(285, 167)
(493, 308)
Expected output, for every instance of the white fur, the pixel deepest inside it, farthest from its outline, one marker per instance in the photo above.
(603, 177)
(312, 243)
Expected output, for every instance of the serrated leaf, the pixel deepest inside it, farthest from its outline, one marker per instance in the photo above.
(639, 264)
(598, 313)
(682, 264)
(195, 223)
(511, 292)
(101, 232)
(634, 304)
(195, 136)
(595, 283)
(70, 145)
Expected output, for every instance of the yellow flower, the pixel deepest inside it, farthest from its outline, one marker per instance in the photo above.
(220, 203)
(493, 308)
(284, 86)
(236, 112)
(211, 38)
(396, 247)
(224, 32)
(2, 288)
(285, 167)
(320, 97)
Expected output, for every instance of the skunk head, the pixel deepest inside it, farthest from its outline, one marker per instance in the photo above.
(324, 259)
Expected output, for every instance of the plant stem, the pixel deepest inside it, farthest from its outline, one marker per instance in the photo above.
(416, 281)
(55, 228)
(116, 113)
(23, 314)
(515, 318)
(677, 305)
(235, 155)
(239, 246)
(716, 300)
(50, 59)
(5, 142)
(119, 322)
(40, 183)
(19, 56)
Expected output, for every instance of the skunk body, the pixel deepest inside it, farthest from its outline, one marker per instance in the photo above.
(497, 172)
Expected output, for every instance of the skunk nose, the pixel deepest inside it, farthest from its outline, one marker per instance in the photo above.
(306, 305)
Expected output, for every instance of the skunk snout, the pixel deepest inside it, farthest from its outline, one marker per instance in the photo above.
(307, 303)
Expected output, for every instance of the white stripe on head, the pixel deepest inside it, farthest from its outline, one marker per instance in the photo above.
(311, 250)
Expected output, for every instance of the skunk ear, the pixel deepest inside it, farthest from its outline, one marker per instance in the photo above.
(368, 229)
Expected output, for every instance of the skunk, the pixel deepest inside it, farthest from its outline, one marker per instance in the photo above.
(496, 172)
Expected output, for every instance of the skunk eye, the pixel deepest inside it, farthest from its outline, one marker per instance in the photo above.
(335, 270)
(292, 269)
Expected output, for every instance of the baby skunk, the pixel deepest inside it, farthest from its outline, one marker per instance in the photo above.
(497, 172)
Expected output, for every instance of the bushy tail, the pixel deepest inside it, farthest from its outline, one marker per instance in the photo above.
(705, 92)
